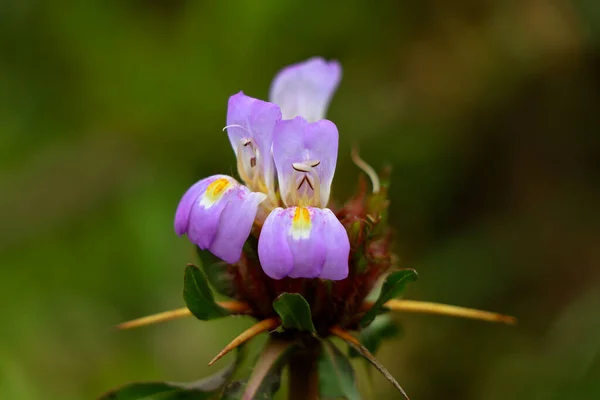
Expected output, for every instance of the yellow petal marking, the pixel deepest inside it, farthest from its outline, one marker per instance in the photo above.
(301, 224)
(215, 191)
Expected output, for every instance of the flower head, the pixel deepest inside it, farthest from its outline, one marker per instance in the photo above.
(304, 240)
(279, 255)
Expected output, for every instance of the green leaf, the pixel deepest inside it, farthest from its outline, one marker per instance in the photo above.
(202, 389)
(266, 374)
(181, 395)
(336, 375)
(294, 312)
(198, 297)
(216, 272)
(218, 380)
(371, 337)
(392, 287)
(138, 391)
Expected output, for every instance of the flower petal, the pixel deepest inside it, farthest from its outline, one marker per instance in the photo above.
(204, 222)
(182, 215)
(235, 224)
(305, 89)
(217, 213)
(273, 248)
(335, 239)
(252, 119)
(297, 141)
(307, 245)
(304, 242)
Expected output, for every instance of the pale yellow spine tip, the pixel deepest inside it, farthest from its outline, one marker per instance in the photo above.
(262, 326)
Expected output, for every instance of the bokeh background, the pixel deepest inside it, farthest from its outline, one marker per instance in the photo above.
(488, 112)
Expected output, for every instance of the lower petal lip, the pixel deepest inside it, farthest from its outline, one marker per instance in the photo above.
(309, 242)
(273, 248)
(217, 213)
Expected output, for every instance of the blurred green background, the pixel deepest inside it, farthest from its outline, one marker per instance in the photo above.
(488, 112)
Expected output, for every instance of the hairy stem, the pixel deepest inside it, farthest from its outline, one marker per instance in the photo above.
(304, 375)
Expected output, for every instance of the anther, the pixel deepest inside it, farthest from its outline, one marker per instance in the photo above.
(311, 177)
(301, 182)
(307, 180)
(301, 167)
(309, 183)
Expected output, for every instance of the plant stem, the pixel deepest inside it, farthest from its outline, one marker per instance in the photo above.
(304, 375)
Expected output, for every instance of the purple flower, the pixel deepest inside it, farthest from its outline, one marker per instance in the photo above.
(217, 214)
(305, 156)
(250, 124)
(304, 242)
(305, 89)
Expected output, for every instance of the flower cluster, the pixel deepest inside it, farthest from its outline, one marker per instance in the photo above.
(286, 157)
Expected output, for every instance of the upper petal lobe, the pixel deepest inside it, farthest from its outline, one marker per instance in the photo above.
(250, 124)
(305, 89)
(298, 141)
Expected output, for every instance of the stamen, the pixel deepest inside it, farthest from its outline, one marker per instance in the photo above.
(301, 167)
(312, 179)
(307, 180)
(251, 178)
(315, 185)
(236, 126)
(367, 169)
(309, 183)
(242, 170)
(301, 182)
